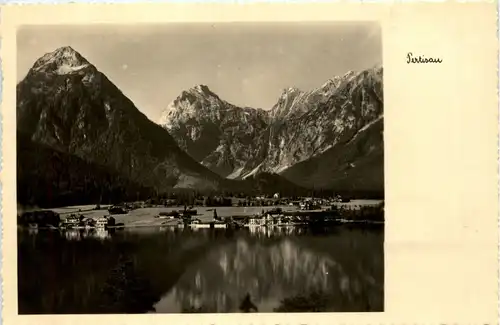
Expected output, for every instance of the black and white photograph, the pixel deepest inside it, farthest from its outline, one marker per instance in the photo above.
(226, 167)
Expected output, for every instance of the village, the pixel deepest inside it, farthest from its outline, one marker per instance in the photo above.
(214, 212)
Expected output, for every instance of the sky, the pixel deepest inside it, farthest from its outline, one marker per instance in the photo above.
(246, 64)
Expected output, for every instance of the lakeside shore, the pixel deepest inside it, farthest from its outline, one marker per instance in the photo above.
(158, 216)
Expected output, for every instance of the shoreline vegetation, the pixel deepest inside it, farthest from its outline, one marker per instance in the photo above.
(133, 215)
(51, 199)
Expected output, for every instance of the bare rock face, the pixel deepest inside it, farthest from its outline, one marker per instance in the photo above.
(64, 102)
(240, 142)
(213, 131)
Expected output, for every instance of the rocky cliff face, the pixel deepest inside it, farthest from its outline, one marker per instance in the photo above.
(354, 165)
(64, 102)
(301, 126)
(213, 131)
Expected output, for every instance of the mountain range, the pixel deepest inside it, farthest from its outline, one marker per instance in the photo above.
(70, 112)
(329, 137)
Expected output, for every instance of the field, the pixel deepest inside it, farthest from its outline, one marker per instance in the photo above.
(146, 216)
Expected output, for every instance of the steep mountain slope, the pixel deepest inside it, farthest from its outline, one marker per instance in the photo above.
(50, 178)
(293, 101)
(301, 125)
(317, 120)
(213, 131)
(64, 102)
(353, 165)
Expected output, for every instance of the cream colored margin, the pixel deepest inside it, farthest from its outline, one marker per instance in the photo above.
(440, 156)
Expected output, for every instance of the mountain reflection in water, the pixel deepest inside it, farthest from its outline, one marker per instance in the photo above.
(272, 270)
(218, 270)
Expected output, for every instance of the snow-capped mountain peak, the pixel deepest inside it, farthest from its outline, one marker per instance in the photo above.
(202, 89)
(286, 101)
(190, 103)
(63, 60)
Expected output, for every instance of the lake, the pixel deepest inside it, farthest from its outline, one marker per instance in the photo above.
(175, 270)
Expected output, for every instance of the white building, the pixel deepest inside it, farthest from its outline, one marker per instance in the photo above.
(257, 221)
(101, 222)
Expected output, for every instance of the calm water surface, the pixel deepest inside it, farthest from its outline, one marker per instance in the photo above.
(175, 270)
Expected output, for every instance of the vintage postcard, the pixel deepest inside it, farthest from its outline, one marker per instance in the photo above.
(295, 163)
